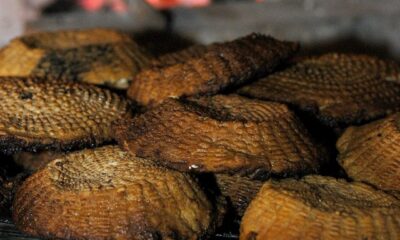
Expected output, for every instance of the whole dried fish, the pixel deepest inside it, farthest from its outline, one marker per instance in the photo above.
(223, 134)
(96, 56)
(340, 89)
(39, 114)
(317, 207)
(105, 193)
(221, 66)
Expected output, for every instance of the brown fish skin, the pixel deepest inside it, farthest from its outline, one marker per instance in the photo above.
(340, 89)
(66, 39)
(371, 153)
(97, 56)
(111, 195)
(222, 134)
(181, 56)
(112, 65)
(222, 66)
(39, 114)
(239, 191)
(317, 207)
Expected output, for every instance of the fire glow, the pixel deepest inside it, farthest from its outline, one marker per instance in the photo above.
(164, 4)
(96, 5)
(122, 6)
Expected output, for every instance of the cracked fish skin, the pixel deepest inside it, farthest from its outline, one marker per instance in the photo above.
(340, 89)
(318, 207)
(222, 134)
(222, 66)
(371, 153)
(106, 193)
(96, 56)
(39, 114)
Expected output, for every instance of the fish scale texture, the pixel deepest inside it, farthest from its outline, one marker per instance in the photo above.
(73, 38)
(371, 153)
(318, 207)
(338, 88)
(96, 56)
(39, 114)
(181, 56)
(240, 191)
(106, 193)
(221, 66)
(222, 134)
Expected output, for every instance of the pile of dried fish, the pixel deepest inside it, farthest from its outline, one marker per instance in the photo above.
(202, 141)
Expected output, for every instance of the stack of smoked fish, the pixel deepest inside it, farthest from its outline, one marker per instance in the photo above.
(242, 138)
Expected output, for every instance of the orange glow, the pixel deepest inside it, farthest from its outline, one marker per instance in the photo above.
(95, 5)
(164, 4)
(121, 6)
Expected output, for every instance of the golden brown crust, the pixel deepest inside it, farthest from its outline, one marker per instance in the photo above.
(338, 88)
(371, 153)
(38, 114)
(222, 66)
(34, 161)
(317, 207)
(98, 56)
(222, 134)
(238, 190)
(105, 193)
(113, 65)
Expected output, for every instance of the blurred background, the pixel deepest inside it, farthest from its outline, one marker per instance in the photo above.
(368, 26)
